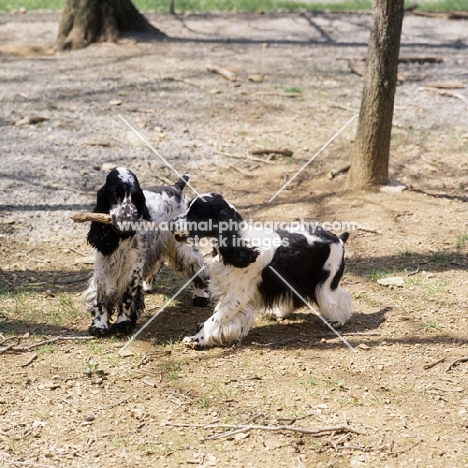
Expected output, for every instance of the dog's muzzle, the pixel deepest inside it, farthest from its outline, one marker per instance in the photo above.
(179, 229)
(123, 216)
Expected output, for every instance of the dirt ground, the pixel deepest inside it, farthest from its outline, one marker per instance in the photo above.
(78, 403)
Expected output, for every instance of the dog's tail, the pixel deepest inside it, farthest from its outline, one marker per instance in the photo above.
(182, 182)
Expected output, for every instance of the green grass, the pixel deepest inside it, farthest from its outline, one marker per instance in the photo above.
(429, 325)
(461, 241)
(242, 5)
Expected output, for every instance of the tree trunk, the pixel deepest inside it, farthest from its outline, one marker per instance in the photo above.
(369, 162)
(86, 21)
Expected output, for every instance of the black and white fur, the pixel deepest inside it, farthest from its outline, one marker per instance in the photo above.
(126, 261)
(311, 262)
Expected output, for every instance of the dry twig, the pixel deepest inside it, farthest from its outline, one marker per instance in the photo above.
(30, 360)
(284, 152)
(41, 343)
(249, 158)
(240, 171)
(228, 75)
(340, 170)
(443, 92)
(433, 364)
(302, 430)
(456, 362)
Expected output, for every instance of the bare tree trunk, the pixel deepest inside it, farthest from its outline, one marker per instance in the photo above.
(86, 21)
(369, 162)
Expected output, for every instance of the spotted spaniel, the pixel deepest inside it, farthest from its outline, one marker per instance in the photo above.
(127, 259)
(267, 270)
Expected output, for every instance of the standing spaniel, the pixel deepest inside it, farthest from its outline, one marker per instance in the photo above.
(275, 270)
(126, 253)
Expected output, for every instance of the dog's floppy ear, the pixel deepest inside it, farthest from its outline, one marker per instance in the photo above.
(344, 236)
(140, 203)
(182, 182)
(101, 236)
(237, 256)
(102, 202)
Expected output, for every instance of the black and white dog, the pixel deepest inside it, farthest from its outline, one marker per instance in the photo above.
(127, 255)
(258, 269)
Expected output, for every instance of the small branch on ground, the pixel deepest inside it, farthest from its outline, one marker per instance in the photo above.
(456, 362)
(164, 179)
(94, 217)
(117, 403)
(433, 364)
(283, 152)
(240, 171)
(16, 348)
(369, 229)
(443, 92)
(454, 15)
(228, 75)
(249, 158)
(341, 170)
(180, 80)
(302, 430)
(30, 360)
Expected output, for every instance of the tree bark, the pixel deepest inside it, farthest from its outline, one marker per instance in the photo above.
(86, 21)
(369, 162)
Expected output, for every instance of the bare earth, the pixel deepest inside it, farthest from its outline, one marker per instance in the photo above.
(394, 391)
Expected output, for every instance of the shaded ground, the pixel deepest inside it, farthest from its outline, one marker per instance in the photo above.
(54, 413)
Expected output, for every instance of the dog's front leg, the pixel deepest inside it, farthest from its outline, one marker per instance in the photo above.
(133, 303)
(230, 322)
(101, 311)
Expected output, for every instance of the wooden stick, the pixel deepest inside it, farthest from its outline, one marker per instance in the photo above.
(249, 158)
(419, 59)
(240, 171)
(164, 179)
(455, 15)
(445, 84)
(341, 170)
(284, 152)
(456, 362)
(443, 92)
(302, 430)
(433, 364)
(228, 75)
(95, 217)
(30, 360)
(44, 342)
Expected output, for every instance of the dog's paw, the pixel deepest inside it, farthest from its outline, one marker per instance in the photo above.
(192, 342)
(122, 328)
(335, 325)
(99, 332)
(199, 301)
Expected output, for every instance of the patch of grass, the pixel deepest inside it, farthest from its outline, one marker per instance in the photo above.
(95, 347)
(441, 258)
(203, 402)
(461, 241)
(45, 349)
(309, 382)
(66, 307)
(377, 274)
(428, 285)
(364, 296)
(172, 369)
(243, 5)
(429, 325)
(293, 89)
